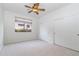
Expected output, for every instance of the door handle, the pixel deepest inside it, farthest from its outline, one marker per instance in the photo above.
(77, 34)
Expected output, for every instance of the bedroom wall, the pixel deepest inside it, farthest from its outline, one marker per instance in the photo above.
(46, 24)
(62, 26)
(11, 36)
(1, 26)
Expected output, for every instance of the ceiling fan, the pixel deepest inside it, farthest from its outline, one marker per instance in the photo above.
(35, 8)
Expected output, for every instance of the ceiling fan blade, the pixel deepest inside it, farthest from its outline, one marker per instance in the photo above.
(42, 9)
(30, 11)
(36, 5)
(37, 13)
(27, 6)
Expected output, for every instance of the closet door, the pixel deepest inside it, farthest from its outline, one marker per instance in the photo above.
(1, 27)
(67, 32)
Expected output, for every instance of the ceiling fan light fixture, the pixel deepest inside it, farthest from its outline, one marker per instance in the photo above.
(35, 8)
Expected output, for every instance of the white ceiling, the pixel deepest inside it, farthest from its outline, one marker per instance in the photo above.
(19, 8)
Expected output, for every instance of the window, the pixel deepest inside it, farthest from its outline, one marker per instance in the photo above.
(23, 25)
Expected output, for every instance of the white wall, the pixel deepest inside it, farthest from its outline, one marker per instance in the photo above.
(63, 23)
(11, 36)
(1, 27)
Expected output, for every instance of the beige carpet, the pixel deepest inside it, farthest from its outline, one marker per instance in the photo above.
(36, 48)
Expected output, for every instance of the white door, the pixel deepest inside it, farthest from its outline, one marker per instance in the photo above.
(1, 27)
(67, 32)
